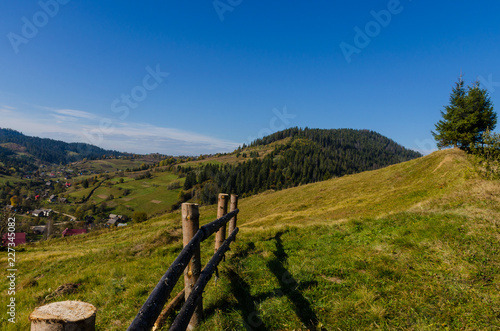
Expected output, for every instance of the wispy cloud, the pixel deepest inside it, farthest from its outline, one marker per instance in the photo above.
(81, 126)
(75, 113)
(6, 109)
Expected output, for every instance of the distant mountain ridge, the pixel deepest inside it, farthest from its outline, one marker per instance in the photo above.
(373, 147)
(298, 156)
(48, 150)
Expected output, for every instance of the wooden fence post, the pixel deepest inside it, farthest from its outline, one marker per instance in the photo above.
(220, 236)
(190, 225)
(234, 206)
(64, 316)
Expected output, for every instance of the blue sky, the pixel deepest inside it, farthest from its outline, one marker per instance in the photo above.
(179, 77)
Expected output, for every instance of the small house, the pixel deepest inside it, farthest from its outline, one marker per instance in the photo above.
(41, 212)
(53, 198)
(38, 213)
(72, 232)
(113, 221)
(38, 229)
(19, 238)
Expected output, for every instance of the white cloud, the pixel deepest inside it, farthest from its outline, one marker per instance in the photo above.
(6, 109)
(75, 113)
(80, 126)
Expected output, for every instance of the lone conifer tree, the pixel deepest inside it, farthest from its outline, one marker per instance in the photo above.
(469, 114)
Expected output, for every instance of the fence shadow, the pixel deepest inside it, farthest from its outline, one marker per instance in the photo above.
(246, 303)
(241, 291)
(288, 286)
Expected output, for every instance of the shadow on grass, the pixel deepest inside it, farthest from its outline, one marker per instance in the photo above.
(288, 286)
(241, 291)
(247, 304)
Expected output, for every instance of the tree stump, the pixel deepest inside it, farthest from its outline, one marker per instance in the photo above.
(64, 316)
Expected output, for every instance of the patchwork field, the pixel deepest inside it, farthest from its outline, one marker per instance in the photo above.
(127, 194)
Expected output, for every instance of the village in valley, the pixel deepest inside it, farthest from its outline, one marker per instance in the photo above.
(57, 201)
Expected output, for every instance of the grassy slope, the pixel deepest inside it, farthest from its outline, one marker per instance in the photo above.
(4, 179)
(148, 195)
(411, 246)
(231, 158)
(111, 165)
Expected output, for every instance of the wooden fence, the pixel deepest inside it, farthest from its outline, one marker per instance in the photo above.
(189, 263)
(76, 315)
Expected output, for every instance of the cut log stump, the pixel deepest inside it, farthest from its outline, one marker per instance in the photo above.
(64, 316)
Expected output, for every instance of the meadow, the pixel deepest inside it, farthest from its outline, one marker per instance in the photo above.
(413, 246)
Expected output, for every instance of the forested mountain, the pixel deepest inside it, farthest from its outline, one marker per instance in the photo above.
(49, 150)
(310, 155)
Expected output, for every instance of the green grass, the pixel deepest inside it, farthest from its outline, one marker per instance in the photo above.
(405, 271)
(111, 165)
(414, 246)
(231, 158)
(4, 179)
(148, 195)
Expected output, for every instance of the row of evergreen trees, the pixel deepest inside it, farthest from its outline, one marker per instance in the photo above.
(310, 155)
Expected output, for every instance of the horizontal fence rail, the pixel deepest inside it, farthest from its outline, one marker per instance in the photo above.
(182, 320)
(153, 306)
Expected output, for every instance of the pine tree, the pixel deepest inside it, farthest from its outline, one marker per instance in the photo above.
(447, 133)
(468, 116)
(481, 109)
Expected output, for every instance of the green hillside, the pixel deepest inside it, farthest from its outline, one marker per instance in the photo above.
(50, 150)
(126, 194)
(410, 246)
(299, 156)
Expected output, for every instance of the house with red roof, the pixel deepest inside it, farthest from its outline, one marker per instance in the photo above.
(71, 232)
(19, 238)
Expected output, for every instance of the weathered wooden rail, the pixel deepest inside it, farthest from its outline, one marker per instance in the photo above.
(75, 315)
(188, 262)
(181, 322)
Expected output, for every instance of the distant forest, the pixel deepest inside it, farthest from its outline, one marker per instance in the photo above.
(50, 150)
(310, 155)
